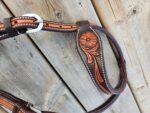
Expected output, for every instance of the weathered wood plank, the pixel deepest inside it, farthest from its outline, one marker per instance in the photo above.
(24, 73)
(60, 50)
(128, 20)
(2, 110)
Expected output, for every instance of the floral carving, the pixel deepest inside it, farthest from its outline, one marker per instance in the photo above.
(89, 44)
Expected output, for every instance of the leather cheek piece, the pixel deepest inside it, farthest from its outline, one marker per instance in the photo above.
(89, 46)
(90, 50)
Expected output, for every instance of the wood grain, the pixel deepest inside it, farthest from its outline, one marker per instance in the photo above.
(2, 110)
(60, 50)
(128, 21)
(26, 74)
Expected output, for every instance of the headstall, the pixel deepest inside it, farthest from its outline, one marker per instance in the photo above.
(89, 47)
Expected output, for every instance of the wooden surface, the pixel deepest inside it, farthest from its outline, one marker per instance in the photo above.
(45, 68)
(128, 21)
(2, 110)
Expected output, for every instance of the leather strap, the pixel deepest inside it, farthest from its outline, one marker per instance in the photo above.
(90, 48)
(15, 104)
(9, 29)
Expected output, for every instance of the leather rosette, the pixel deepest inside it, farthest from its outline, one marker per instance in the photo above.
(90, 49)
(89, 44)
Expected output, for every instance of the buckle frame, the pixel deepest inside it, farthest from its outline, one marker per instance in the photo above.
(39, 20)
(35, 109)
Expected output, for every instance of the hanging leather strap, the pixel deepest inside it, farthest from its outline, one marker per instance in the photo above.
(90, 48)
(89, 45)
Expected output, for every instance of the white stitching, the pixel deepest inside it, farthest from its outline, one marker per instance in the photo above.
(101, 56)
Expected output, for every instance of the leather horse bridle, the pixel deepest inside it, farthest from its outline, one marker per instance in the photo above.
(89, 46)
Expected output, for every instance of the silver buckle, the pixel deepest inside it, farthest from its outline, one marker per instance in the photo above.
(35, 110)
(39, 20)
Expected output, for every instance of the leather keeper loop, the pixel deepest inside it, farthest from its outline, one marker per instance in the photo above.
(83, 23)
(8, 27)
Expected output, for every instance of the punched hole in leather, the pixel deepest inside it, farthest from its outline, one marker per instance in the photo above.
(10, 30)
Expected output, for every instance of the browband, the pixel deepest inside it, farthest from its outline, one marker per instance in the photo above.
(89, 47)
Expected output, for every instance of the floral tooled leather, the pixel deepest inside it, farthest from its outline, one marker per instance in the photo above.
(90, 46)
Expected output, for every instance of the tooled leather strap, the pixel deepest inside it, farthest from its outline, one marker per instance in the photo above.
(15, 104)
(90, 49)
(21, 23)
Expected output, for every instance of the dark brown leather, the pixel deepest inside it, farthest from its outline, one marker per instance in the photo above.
(9, 29)
(90, 49)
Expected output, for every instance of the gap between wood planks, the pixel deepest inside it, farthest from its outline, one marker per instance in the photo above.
(45, 58)
(102, 24)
